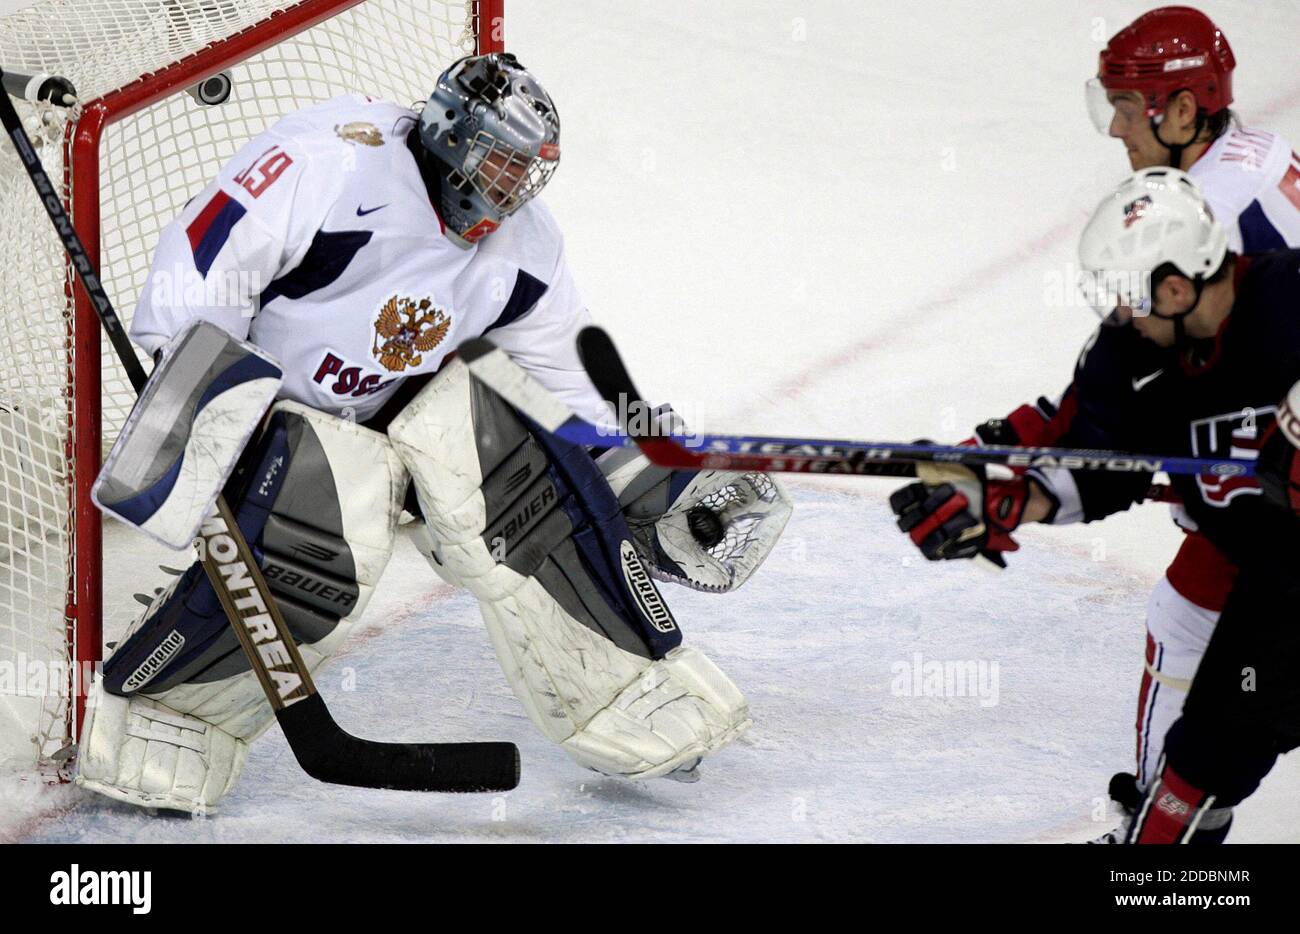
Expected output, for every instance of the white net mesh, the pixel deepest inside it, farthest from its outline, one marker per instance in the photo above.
(151, 164)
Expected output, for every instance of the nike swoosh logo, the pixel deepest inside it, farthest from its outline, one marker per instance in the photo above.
(361, 213)
(1139, 383)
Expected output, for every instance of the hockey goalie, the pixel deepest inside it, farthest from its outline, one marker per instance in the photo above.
(356, 244)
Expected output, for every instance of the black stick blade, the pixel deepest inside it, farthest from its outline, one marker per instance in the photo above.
(605, 368)
(327, 753)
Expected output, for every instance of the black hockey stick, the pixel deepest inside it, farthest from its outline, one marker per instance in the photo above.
(323, 749)
(808, 455)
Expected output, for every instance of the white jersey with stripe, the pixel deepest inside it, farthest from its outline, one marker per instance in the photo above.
(318, 243)
(1251, 179)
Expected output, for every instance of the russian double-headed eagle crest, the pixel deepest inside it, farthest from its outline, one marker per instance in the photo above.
(406, 330)
(367, 134)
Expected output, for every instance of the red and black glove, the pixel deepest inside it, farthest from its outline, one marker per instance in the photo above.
(1278, 469)
(961, 512)
(1035, 425)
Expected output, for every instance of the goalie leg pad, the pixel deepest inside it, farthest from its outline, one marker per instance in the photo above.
(527, 522)
(319, 505)
(321, 552)
(666, 718)
(139, 751)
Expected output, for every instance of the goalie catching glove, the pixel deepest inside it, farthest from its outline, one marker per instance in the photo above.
(707, 530)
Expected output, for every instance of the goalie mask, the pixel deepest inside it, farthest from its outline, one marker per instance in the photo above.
(495, 138)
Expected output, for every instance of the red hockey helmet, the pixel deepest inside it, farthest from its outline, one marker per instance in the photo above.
(1167, 50)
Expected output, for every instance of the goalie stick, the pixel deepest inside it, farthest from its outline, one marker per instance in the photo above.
(323, 749)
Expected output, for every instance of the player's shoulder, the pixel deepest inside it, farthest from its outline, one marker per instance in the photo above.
(1265, 319)
(1112, 359)
(306, 160)
(350, 123)
(529, 239)
(1271, 282)
(1240, 164)
(1107, 380)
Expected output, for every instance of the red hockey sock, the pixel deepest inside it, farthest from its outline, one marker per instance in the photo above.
(1171, 811)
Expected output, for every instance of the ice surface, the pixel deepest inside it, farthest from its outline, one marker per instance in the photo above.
(846, 218)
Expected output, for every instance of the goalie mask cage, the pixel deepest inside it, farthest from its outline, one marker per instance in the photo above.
(134, 149)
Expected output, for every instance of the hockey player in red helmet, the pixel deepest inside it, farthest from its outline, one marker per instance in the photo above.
(1164, 89)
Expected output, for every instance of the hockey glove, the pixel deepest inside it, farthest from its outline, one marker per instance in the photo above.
(961, 512)
(1279, 458)
(706, 530)
(1027, 425)
(717, 531)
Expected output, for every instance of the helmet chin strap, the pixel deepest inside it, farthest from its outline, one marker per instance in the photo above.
(1176, 149)
(1180, 331)
(1182, 344)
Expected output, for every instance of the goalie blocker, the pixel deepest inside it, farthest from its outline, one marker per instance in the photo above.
(179, 445)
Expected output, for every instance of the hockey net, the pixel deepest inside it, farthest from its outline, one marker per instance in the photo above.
(133, 150)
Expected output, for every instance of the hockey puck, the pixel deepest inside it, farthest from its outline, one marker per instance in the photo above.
(705, 526)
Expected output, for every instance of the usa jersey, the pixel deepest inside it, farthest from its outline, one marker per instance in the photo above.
(318, 242)
(1251, 180)
(1134, 396)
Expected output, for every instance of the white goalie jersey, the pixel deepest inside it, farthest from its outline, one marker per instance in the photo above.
(318, 243)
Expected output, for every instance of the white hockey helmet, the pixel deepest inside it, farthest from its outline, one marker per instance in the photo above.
(1154, 224)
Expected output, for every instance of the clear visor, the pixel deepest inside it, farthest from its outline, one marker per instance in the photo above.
(1117, 296)
(1128, 109)
(1100, 109)
(507, 177)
